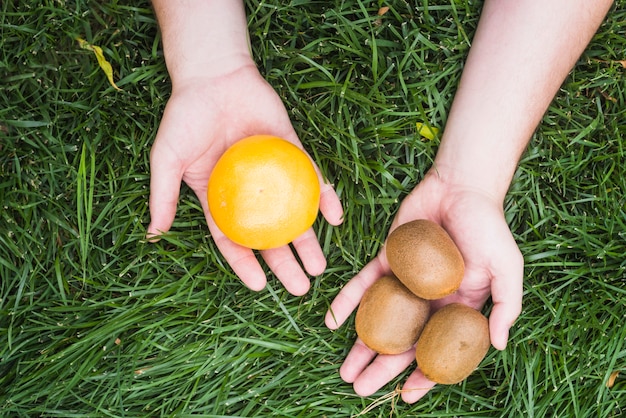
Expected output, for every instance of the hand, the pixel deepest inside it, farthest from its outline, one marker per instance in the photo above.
(493, 265)
(204, 116)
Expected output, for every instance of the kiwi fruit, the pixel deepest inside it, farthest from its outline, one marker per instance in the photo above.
(453, 343)
(425, 259)
(390, 318)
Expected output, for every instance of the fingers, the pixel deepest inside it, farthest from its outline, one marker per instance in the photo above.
(280, 260)
(246, 266)
(356, 361)
(416, 386)
(242, 260)
(368, 376)
(287, 269)
(349, 297)
(330, 205)
(310, 253)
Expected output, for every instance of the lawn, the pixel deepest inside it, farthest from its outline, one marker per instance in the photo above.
(95, 321)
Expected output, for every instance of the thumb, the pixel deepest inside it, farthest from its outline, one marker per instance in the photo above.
(501, 319)
(506, 292)
(165, 179)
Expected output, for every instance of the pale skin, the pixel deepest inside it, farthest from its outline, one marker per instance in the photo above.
(521, 53)
(218, 97)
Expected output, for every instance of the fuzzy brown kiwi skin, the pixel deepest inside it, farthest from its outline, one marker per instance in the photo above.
(390, 318)
(453, 343)
(425, 259)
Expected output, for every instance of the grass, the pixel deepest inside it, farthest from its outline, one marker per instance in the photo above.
(94, 321)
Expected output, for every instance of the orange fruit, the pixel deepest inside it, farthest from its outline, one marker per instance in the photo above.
(263, 192)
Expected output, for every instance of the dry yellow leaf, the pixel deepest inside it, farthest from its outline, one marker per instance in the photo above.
(620, 62)
(426, 131)
(141, 371)
(383, 10)
(612, 377)
(102, 61)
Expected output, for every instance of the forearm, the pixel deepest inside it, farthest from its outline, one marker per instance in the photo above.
(521, 54)
(202, 38)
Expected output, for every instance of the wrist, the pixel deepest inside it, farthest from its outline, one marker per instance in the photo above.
(451, 180)
(203, 39)
(493, 182)
(201, 70)
(482, 159)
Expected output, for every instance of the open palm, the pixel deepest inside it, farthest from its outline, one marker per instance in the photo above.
(203, 117)
(493, 266)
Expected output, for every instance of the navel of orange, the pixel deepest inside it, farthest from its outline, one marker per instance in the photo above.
(263, 192)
